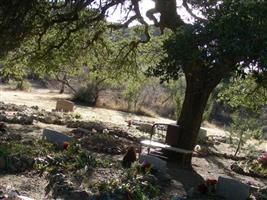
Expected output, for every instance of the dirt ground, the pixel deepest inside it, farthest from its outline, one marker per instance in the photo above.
(183, 180)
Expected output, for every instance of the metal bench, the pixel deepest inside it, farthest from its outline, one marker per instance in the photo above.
(165, 140)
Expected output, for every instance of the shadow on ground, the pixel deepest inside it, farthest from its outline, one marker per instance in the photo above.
(188, 178)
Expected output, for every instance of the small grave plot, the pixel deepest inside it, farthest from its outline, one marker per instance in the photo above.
(256, 167)
(21, 114)
(16, 108)
(110, 142)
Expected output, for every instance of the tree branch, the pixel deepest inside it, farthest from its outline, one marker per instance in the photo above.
(66, 82)
(185, 5)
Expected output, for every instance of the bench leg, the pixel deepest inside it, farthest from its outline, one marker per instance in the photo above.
(148, 150)
(140, 149)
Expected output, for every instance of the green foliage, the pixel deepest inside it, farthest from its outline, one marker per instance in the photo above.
(17, 148)
(25, 153)
(244, 94)
(219, 39)
(51, 57)
(23, 85)
(220, 46)
(176, 90)
(96, 62)
(132, 94)
(128, 186)
(257, 133)
(243, 129)
(19, 19)
(87, 94)
(77, 115)
(246, 98)
(138, 93)
(258, 165)
(73, 158)
(138, 194)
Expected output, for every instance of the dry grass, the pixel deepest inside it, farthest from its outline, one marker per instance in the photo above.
(146, 112)
(150, 105)
(122, 106)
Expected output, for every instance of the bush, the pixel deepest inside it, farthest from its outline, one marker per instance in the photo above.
(145, 112)
(87, 95)
(77, 115)
(257, 134)
(242, 130)
(23, 85)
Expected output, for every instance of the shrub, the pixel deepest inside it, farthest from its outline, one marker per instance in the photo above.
(23, 85)
(87, 94)
(77, 115)
(242, 130)
(257, 134)
(145, 112)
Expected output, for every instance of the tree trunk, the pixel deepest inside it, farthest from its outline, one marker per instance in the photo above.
(197, 94)
(239, 144)
(62, 89)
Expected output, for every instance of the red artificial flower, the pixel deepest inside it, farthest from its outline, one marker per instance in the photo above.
(211, 181)
(65, 145)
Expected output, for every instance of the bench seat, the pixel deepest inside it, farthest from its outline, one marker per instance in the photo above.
(154, 144)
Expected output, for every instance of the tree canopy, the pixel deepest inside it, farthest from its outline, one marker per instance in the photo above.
(232, 40)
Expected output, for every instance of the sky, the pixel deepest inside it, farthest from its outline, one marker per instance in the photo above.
(145, 5)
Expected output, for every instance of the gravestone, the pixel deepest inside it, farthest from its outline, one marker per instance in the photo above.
(55, 137)
(232, 189)
(65, 106)
(157, 163)
(202, 135)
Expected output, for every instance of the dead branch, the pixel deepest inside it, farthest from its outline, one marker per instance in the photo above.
(66, 82)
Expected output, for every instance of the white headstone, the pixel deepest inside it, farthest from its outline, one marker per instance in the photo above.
(157, 163)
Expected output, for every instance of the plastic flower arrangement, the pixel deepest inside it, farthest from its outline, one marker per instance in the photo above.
(66, 145)
(209, 187)
(145, 167)
(263, 158)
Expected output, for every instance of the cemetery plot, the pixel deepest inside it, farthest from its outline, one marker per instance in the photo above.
(84, 160)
